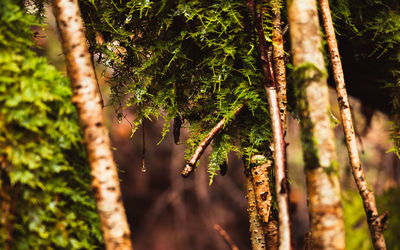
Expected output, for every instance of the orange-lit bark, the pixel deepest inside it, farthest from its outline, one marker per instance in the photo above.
(279, 61)
(86, 97)
(371, 211)
(276, 124)
(323, 187)
(257, 237)
(260, 167)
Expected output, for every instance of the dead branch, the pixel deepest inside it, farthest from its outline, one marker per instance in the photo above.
(366, 194)
(226, 237)
(189, 167)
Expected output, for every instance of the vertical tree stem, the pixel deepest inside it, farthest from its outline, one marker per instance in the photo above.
(278, 140)
(280, 170)
(256, 231)
(279, 61)
(86, 97)
(323, 187)
(367, 195)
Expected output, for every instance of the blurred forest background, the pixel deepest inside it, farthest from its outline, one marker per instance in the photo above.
(168, 212)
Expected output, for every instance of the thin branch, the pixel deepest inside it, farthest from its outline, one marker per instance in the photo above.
(189, 167)
(366, 194)
(144, 147)
(278, 139)
(226, 237)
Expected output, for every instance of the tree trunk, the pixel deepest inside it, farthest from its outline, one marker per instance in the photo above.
(260, 167)
(323, 187)
(257, 237)
(276, 124)
(367, 195)
(86, 97)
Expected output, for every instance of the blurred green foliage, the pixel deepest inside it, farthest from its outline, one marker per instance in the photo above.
(357, 233)
(389, 201)
(355, 222)
(44, 175)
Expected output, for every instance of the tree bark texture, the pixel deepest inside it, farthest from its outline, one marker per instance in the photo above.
(272, 234)
(323, 187)
(371, 211)
(276, 124)
(260, 167)
(257, 237)
(279, 62)
(86, 97)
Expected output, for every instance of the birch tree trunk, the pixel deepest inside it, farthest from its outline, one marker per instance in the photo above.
(371, 211)
(86, 97)
(323, 187)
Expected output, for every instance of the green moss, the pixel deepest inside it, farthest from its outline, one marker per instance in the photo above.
(333, 168)
(44, 162)
(258, 160)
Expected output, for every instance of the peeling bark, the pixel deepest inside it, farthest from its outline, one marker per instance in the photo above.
(86, 97)
(371, 211)
(278, 140)
(323, 187)
(260, 168)
(272, 235)
(257, 237)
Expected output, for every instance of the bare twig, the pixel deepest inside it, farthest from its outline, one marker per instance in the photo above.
(143, 147)
(226, 237)
(204, 144)
(366, 194)
(276, 123)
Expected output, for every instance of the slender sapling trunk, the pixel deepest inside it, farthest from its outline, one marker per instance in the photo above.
(371, 211)
(86, 97)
